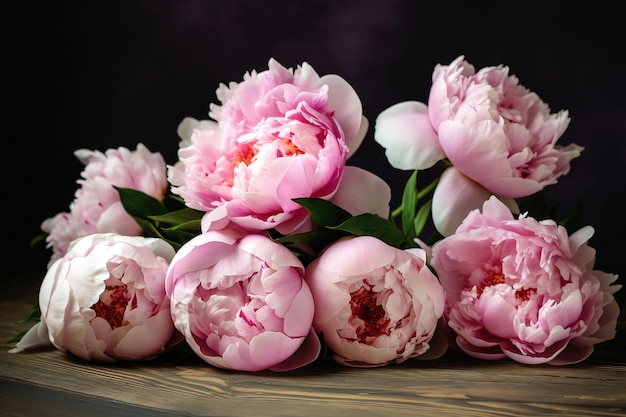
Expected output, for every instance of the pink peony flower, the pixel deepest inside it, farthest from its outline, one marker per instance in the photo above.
(242, 304)
(278, 135)
(524, 289)
(375, 304)
(496, 133)
(105, 300)
(96, 207)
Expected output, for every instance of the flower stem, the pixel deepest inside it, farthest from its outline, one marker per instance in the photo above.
(398, 210)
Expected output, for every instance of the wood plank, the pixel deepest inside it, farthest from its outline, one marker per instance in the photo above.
(452, 385)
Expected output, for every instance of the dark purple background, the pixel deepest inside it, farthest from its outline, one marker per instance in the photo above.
(106, 74)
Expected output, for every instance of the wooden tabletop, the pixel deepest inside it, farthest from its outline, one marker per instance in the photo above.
(49, 383)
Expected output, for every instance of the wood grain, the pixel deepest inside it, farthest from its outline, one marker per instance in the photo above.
(50, 383)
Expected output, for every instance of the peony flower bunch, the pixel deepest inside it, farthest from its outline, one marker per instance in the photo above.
(261, 248)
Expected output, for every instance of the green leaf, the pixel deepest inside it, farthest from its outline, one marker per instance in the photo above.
(33, 315)
(194, 226)
(316, 240)
(174, 222)
(409, 200)
(323, 212)
(421, 218)
(17, 337)
(369, 224)
(185, 218)
(139, 204)
(149, 229)
(174, 202)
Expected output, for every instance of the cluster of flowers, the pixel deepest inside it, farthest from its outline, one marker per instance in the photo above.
(261, 248)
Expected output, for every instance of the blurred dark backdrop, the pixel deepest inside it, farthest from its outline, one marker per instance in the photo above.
(106, 74)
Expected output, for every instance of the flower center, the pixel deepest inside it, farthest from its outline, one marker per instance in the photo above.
(365, 307)
(289, 149)
(524, 294)
(112, 305)
(495, 278)
(245, 154)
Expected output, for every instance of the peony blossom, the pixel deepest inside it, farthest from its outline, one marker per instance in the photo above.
(105, 300)
(524, 289)
(278, 135)
(96, 207)
(375, 304)
(496, 133)
(242, 303)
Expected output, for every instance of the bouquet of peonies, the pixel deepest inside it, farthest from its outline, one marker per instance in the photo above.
(261, 248)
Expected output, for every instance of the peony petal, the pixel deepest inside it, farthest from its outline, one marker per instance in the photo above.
(454, 198)
(35, 337)
(347, 110)
(355, 191)
(307, 353)
(409, 139)
(487, 353)
(496, 313)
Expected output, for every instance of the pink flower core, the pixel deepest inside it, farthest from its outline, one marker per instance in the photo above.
(290, 149)
(524, 295)
(495, 278)
(365, 309)
(245, 154)
(112, 305)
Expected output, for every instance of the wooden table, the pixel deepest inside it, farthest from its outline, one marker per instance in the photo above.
(49, 383)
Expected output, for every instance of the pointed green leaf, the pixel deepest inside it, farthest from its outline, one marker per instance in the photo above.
(140, 204)
(174, 202)
(369, 224)
(421, 218)
(33, 315)
(185, 216)
(149, 229)
(323, 212)
(316, 240)
(190, 226)
(17, 337)
(409, 200)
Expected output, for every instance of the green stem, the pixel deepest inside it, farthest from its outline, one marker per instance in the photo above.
(428, 189)
(395, 213)
(398, 210)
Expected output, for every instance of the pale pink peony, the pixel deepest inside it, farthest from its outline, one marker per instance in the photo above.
(242, 303)
(105, 300)
(375, 304)
(278, 135)
(96, 207)
(524, 289)
(497, 132)
(494, 131)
